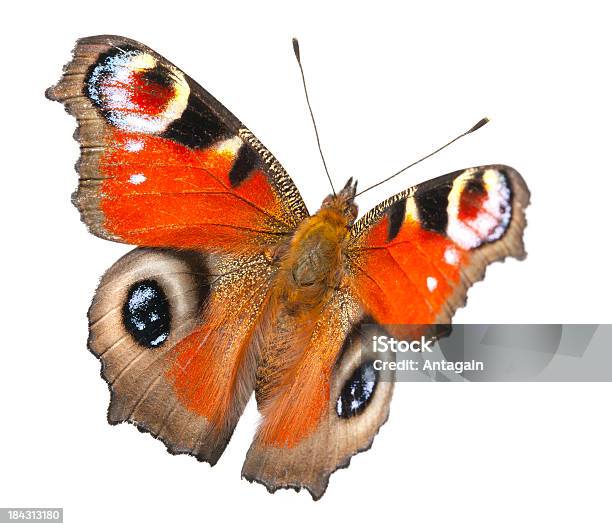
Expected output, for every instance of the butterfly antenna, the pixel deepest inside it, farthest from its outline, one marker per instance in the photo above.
(478, 125)
(296, 50)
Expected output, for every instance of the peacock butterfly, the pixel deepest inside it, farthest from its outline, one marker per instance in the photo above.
(235, 288)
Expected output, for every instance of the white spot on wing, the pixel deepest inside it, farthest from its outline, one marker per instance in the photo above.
(134, 145)
(230, 146)
(160, 339)
(451, 256)
(432, 283)
(137, 178)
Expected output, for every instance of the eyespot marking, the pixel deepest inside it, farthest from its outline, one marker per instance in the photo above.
(357, 391)
(479, 207)
(135, 93)
(146, 313)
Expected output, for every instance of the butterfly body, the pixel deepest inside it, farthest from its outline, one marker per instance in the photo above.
(314, 263)
(235, 289)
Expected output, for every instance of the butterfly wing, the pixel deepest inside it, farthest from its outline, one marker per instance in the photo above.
(413, 257)
(162, 162)
(165, 165)
(326, 408)
(173, 330)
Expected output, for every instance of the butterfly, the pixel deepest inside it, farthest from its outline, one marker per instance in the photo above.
(235, 288)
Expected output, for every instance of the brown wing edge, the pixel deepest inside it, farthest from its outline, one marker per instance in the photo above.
(317, 492)
(92, 128)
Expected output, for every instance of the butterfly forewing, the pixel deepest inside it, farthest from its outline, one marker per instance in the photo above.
(163, 162)
(413, 257)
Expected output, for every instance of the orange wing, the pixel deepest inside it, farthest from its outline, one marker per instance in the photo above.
(413, 257)
(162, 162)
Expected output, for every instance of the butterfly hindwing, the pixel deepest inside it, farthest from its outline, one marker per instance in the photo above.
(326, 408)
(162, 162)
(413, 257)
(173, 332)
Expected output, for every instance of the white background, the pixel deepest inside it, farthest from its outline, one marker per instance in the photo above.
(388, 82)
